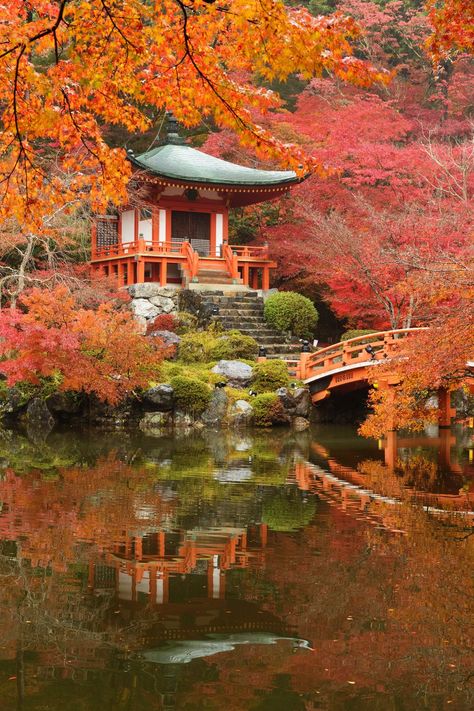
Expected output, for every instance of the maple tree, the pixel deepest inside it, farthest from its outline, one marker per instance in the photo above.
(68, 68)
(453, 27)
(74, 349)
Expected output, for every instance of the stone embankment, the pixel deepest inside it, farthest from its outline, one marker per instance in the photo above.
(162, 412)
(156, 411)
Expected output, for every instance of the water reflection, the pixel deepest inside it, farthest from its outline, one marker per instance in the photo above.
(239, 571)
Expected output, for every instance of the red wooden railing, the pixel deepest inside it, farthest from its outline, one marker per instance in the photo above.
(383, 344)
(231, 261)
(252, 252)
(192, 259)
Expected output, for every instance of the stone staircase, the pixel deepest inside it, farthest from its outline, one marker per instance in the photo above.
(244, 311)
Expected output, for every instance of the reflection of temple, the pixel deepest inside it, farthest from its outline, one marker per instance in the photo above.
(151, 568)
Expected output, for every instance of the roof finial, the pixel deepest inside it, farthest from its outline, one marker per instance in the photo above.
(172, 136)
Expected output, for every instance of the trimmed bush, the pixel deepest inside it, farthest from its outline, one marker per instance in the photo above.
(234, 345)
(268, 410)
(356, 332)
(270, 375)
(290, 311)
(205, 346)
(191, 395)
(195, 347)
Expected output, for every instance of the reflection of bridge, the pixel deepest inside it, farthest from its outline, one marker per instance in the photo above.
(350, 482)
(344, 367)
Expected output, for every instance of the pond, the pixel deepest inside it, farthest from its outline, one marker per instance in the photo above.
(254, 571)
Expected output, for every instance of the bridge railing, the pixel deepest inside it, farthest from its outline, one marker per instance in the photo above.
(380, 345)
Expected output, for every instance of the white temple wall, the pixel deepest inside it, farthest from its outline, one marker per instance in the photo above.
(128, 226)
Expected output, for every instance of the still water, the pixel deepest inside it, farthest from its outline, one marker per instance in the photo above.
(244, 572)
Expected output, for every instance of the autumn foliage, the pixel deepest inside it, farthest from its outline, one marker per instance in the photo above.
(96, 352)
(69, 69)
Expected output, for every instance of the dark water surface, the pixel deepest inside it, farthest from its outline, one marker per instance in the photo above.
(255, 571)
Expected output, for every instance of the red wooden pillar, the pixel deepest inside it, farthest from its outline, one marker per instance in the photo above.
(446, 412)
(254, 278)
(245, 273)
(140, 270)
(155, 271)
(390, 451)
(163, 272)
(266, 278)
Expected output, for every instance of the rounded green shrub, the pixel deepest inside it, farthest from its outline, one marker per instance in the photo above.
(191, 395)
(268, 410)
(356, 332)
(269, 375)
(290, 311)
(194, 347)
(232, 345)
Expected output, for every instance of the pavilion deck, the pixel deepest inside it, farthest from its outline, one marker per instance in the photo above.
(140, 261)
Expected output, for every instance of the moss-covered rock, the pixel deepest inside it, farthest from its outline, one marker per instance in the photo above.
(268, 410)
(232, 345)
(270, 375)
(191, 396)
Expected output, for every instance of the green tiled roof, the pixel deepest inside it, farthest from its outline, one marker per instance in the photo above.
(181, 162)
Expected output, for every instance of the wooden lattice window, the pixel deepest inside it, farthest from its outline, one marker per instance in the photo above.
(107, 232)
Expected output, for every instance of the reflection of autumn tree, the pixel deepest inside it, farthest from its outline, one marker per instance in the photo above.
(387, 611)
(93, 506)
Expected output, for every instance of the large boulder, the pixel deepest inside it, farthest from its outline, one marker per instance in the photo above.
(287, 400)
(38, 416)
(162, 396)
(302, 399)
(163, 303)
(153, 423)
(240, 414)
(217, 408)
(64, 403)
(238, 374)
(168, 337)
(143, 308)
(296, 403)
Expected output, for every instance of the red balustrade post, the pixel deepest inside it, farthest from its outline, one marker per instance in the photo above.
(304, 368)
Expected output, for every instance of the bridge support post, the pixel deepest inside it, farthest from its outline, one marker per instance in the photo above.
(446, 412)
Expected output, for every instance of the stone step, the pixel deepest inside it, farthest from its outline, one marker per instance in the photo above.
(217, 280)
(239, 309)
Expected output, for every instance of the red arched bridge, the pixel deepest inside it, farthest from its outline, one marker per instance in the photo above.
(344, 367)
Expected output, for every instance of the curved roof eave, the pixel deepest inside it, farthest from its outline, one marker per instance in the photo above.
(186, 164)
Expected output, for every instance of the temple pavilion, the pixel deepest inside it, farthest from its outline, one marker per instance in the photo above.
(175, 228)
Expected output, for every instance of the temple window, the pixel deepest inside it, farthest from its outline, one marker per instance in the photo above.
(107, 231)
